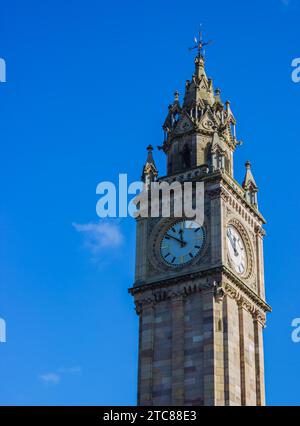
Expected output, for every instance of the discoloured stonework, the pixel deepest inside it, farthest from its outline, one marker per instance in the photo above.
(200, 325)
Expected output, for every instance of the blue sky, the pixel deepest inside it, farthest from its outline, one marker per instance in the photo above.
(88, 86)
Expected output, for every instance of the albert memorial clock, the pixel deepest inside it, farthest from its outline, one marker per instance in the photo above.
(199, 287)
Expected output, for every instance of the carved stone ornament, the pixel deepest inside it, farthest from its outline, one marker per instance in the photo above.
(245, 303)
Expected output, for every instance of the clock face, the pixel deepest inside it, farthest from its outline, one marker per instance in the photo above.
(236, 250)
(182, 242)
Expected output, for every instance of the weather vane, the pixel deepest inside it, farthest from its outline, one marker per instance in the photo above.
(200, 44)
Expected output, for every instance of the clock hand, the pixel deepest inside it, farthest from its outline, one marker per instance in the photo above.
(230, 238)
(181, 235)
(182, 243)
(232, 242)
(235, 249)
(236, 253)
(181, 232)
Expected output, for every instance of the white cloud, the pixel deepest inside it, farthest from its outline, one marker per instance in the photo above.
(100, 236)
(53, 378)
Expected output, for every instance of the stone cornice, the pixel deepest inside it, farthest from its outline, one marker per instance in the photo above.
(234, 286)
(170, 281)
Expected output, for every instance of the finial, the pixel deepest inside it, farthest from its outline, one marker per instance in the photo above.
(218, 97)
(248, 165)
(176, 96)
(200, 44)
(149, 148)
(228, 109)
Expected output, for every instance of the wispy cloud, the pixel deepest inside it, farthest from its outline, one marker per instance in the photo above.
(54, 378)
(100, 236)
(286, 2)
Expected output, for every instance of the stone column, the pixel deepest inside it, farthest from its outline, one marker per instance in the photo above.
(232, 374)
(178, 350)
(146, 355)
(259, 361)
(242, 353)
(208, 347)
(219, 351)
(247, 356)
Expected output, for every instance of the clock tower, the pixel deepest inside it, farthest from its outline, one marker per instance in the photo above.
(199, 288)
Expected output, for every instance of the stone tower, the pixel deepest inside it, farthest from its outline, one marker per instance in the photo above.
(201, 314)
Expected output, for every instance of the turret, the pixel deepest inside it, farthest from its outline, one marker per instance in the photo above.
(250, 186)
(150, 171)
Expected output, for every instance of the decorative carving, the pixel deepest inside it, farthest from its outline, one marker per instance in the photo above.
(228, 211)
(245, 303)
(260, 231)
(260, 317)
(219, 292)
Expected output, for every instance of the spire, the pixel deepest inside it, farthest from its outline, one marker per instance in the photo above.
(202, 123)
(199, 88)
(150, 171)
(249, 179)
(250, 186)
